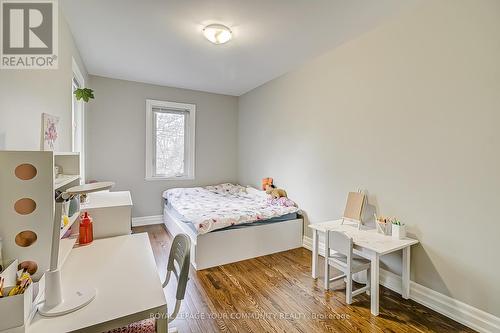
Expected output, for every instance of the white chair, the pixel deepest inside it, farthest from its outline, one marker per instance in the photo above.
(344, 260)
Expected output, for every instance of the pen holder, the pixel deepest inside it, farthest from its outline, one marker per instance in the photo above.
(383, 228)
(398, 231)
(15, 311)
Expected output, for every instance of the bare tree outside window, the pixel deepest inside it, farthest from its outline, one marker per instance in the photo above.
(170, 135)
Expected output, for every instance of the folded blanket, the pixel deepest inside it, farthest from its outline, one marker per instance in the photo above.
(215, 207)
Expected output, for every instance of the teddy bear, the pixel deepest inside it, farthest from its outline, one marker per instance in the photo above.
(275, 192)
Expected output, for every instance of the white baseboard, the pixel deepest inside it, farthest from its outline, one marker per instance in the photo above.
(147, 220)
(307, 242)
(463, 313)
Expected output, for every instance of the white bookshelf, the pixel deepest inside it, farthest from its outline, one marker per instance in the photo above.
(27, 204)
(38, 188)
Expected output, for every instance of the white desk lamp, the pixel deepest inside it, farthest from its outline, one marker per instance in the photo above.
(76, 298)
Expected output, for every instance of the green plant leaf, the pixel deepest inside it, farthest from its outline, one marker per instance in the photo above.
(84, 93)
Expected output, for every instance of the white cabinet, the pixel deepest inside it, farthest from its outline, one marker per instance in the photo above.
(111, 213)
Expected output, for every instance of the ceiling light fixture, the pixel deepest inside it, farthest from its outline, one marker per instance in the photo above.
(217, 33)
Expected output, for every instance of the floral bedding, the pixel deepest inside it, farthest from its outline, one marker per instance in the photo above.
(215, 207)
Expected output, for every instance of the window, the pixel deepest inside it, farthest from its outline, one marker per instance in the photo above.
(169, 140)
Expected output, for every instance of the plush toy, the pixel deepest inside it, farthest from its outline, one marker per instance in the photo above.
(275, 192)
(266, 182)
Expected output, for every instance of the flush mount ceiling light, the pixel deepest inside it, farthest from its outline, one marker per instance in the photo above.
(217, 33)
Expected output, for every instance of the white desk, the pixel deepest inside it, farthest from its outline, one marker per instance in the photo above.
(123, 270)
(370, 245)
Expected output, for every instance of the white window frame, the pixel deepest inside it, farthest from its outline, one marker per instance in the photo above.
(79, 78)
(189, 143)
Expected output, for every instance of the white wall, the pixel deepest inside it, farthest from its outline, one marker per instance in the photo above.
(26, 94)
(116, 138)
(410, 112)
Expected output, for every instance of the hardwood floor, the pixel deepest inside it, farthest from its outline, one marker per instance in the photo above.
(276, 293)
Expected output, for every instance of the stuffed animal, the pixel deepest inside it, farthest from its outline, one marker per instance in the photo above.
(266, 182)
(275, 192)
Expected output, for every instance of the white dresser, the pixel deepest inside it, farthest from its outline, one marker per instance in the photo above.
(111, 213)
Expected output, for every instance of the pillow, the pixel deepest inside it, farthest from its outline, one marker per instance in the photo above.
(253, 191)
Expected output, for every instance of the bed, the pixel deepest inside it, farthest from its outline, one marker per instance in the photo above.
(229, 223)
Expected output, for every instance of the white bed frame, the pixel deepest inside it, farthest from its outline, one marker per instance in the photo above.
(227, 246)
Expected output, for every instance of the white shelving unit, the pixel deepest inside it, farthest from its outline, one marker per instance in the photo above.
(28, 183)
(27, 201)
(63, 180)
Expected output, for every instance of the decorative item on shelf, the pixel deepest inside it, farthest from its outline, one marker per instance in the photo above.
(83, 199)
(84, 93)
(75, 298)
(57, 171)
(65, 221)
(65, 207)
(383, 224)
(74, 205)
(398, 229)
(50, 132)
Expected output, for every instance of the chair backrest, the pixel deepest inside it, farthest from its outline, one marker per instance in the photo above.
(178, 262)
(340, 242)
(354, 206)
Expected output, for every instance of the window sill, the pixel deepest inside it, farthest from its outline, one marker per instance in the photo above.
(168, 178)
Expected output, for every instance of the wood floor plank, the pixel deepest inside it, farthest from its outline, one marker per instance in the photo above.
(276, 293)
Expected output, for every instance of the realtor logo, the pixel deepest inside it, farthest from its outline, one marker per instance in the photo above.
(29, 34)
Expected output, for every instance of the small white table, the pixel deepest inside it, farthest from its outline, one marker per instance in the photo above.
(370, 245)
(123, 270)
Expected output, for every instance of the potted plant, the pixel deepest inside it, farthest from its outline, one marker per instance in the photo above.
(84, 93)
(398, 229)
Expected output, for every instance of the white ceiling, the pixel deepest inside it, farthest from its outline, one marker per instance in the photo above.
(160, 41)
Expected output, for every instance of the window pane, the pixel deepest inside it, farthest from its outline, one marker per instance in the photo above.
(169, 143)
